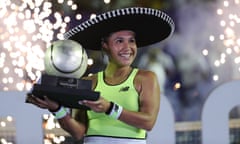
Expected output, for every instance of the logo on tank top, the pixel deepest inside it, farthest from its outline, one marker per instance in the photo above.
(123, 89)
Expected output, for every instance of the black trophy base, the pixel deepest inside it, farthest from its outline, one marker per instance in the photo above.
(66, 91)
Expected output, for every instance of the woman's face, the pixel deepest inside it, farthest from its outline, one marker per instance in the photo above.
(121, 47)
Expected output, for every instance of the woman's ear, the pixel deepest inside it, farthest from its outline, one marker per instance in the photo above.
(104, 46)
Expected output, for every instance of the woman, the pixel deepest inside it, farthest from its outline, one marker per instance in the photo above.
(130, 97)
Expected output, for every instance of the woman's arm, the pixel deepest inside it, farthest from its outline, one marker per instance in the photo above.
(76, 126)
(148, 87)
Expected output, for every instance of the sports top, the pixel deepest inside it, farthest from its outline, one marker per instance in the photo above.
(123, 94)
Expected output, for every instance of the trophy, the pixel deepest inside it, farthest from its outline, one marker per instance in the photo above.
(65, 63)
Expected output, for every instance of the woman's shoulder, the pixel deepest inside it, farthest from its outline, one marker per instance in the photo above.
(145, 74)
(143, 78)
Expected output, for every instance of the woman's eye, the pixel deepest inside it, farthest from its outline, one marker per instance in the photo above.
(132, 40)
(119, 41)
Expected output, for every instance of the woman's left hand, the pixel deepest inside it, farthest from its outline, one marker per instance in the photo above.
(101, 105)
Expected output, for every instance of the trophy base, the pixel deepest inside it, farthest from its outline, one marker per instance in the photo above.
(68, 92)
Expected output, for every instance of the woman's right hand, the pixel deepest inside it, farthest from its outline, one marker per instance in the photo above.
(44, 103)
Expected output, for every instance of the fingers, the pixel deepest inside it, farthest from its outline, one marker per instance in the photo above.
(30, 99)
(97, 106)
(42, 103)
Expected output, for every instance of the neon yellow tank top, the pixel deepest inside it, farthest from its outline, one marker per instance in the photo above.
(123, 94)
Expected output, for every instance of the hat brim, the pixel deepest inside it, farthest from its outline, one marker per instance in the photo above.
(150, 26)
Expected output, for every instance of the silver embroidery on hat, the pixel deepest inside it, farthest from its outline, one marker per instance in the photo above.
(132, 10)
(114, 13)
(104, 16)
(100, 17)
(91, 21)
(148, 11)
(159, 13)
(81, 28)
(88, 24)
(95, 20)
(77, 29)
(127, 11)
(122, 11)
(141, 10)
(118, 12)
(108, 14)
(153, 11)
(84, 25)
(73, 30)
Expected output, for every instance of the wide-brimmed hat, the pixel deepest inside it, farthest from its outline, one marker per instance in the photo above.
(150, 26)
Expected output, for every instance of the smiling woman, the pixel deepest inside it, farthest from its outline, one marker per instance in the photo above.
(123, 44)
(129, 99)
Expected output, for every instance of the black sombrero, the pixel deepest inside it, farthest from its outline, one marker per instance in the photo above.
(150, 25)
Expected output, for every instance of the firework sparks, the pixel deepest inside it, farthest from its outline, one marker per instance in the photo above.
(228, 37)
(27, 28)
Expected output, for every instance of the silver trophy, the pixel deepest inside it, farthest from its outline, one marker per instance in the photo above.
(65, 64)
